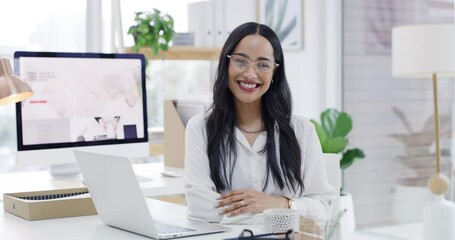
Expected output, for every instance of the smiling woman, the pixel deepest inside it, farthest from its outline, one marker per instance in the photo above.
(248, 153)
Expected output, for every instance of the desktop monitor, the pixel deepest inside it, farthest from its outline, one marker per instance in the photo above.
(88, 101)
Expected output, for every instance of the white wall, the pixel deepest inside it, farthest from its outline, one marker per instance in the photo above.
(314, 72)
(302, 66)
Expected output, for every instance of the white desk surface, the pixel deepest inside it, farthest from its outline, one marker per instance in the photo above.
(91, 227)
(80, 228)
(149, 175)
(86, 227)
(408, 231)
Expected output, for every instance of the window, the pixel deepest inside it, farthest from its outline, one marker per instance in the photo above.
(61, 26)
(393, 118)
(169, 79)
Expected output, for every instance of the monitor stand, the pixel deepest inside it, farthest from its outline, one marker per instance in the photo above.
(67, 172)
(71, 172)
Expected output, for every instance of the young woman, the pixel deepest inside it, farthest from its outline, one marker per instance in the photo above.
(249, 153)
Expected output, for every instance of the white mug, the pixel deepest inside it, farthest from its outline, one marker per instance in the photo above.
(280, 220)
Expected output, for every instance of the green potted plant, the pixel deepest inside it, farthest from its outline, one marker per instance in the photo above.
(152, 29)
(333, 134)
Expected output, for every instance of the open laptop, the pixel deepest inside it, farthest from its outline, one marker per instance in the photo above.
(120, 203)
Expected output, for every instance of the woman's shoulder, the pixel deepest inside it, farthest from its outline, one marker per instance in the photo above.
(197, 121)
(301, 125)
(300, 121)
(303, 128)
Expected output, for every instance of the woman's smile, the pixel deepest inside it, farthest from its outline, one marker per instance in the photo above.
(248, 86)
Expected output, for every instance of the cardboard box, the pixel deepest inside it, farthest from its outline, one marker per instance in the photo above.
(176, 115)
(50, 204)
(174, 136)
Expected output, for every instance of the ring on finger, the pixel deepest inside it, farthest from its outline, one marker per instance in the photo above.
(242, 203)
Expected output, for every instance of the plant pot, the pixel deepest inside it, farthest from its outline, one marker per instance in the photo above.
(347, 221)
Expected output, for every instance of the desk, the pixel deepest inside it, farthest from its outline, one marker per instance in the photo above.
(407, 231)
(149, 175)
(80, 228)
(91, 227)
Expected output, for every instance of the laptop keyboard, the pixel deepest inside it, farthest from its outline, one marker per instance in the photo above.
(165, 228)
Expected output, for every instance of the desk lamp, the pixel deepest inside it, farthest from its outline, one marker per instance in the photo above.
(428, 51)
(12, 89)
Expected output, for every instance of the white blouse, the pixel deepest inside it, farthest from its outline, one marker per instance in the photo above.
(250, 172)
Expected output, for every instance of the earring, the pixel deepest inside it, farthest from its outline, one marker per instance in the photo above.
(272, 80)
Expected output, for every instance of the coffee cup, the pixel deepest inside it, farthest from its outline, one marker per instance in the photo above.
(280, 220)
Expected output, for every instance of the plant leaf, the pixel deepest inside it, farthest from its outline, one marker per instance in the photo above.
(334, 145)
(269, 12)
(350, 156)
(152, 29)
(336, 124)
(287, 30)
(282, 11)
(321, 134)
(343, 125)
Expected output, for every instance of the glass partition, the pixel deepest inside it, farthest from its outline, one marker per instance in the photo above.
(393, 117)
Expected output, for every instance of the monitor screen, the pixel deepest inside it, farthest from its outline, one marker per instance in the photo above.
(90, 101)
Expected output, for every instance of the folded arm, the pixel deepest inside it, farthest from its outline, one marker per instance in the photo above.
(201, 195)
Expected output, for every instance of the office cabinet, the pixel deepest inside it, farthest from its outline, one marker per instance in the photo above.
(213, 21)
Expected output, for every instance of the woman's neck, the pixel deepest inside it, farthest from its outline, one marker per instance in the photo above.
(249, 117)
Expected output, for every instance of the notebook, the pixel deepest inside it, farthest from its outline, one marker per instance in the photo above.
(120, 203)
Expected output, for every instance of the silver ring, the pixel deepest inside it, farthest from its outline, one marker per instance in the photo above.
(242, 203)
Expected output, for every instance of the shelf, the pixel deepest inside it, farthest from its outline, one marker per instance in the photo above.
(183, 53)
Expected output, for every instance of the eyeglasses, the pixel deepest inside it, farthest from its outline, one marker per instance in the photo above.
(247, 234)
(261, 66)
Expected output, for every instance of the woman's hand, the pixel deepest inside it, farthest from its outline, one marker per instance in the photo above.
(249, 201)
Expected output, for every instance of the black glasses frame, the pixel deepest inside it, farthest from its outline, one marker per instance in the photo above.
(247, 234)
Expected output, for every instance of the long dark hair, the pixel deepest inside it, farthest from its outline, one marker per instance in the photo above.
(276, 110)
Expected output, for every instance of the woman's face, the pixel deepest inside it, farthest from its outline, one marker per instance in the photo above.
(251, 69)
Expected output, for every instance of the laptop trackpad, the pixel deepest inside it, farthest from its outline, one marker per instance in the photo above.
(165, 210)
(172, 214)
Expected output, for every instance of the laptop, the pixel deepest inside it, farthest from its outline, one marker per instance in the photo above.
(120, 203)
